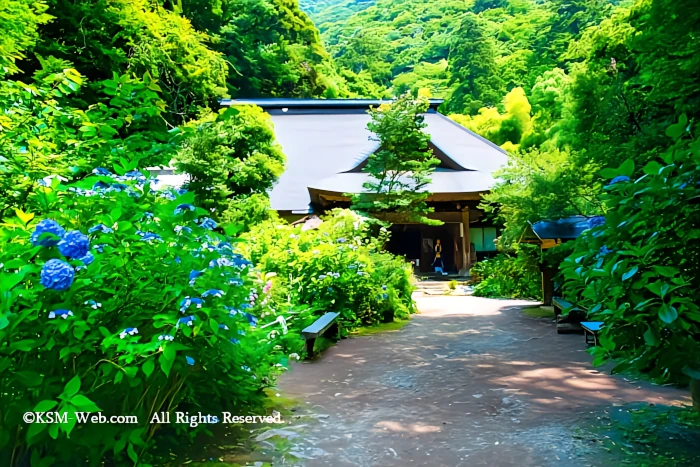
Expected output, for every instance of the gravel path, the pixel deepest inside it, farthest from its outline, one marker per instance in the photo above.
(468, 382)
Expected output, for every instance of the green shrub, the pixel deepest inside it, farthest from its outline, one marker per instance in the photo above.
(638, 268)
(337, 267)
(511, 276)
(158, 315)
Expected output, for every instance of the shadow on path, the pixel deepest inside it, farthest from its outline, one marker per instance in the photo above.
(470, 381)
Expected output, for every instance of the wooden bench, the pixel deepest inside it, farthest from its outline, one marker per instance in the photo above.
(571, 323)
(317, 328)
(590, 330)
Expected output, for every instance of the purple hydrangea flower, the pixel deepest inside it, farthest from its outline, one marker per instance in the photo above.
(74, 244)
(100, 227)
(49, 226)
(57, 275)
(60, 313)
(595, 221)
(620, 179)
(207, 223)
(183, 207)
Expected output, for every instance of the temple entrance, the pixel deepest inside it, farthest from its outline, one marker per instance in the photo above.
(417, 243)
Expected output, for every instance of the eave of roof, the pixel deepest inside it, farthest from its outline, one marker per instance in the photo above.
(318, 105)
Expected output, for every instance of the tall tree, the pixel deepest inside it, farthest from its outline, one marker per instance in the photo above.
(400, 169)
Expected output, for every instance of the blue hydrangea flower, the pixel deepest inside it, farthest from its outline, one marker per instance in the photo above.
(128, 332)
(241, 332)
(102, 171)
(233, 340)
(604, 250)
(252, 320)
(231, 310)
(178, 260)
(384, 287)
(245, 368)
(148, 215)
(166, 337)
(188, 320)
(223, 326)
(360, 273)
(181, 228)
(190, 360)
(235, 281)
(100, 186)
(385, 296)
(322, 276)
(167, 195)
(60, 313)
(87, 259)
(93, 304)
(342, 240)
(100, 248)
(225, 246)
(119, 186)
(334, 274)
(595, 221)
(134, 175)
(74, 244)
(330, 289)
(187, 301)
(194, 275)
(246, 306)
(49, 226)
(100, 227)
(207, 223)
(151, 237)
(181, 191)
(620, 179)
(214, 293)
(352, 266)
(57, 275)
(221, 262)
(183, 207)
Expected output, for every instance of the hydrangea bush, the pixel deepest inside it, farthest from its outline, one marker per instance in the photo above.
(125, 300)
(637, 269)
(338, 266)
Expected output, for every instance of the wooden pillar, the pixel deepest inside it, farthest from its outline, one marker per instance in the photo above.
(547, 285)
(466, 243)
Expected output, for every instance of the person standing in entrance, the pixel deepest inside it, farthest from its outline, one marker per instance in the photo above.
(437, 262)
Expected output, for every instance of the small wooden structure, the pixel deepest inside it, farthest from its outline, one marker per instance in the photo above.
(317, 328)
(549, 234)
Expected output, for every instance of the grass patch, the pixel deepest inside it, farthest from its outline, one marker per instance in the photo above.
(382, 327)
(537, 312)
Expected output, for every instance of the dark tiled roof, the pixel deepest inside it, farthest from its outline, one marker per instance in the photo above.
(567, 228)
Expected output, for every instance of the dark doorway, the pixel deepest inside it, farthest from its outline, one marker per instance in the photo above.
(430, 235)
(405, 241)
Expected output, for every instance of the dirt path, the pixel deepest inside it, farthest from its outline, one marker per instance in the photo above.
(469, 382)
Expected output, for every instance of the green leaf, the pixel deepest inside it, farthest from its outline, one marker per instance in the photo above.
(29, 378)
(72, 387)
(626, 168)
(148, 367)
(25, 217)
(45, 406)
(608, 173)
(666, 271)
(84, 404)
(652, 168)
(34, 430)
(692, 372)
(650, 338)
(630, 273)
(667, 313)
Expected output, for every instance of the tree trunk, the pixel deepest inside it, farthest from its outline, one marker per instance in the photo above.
(695, 393)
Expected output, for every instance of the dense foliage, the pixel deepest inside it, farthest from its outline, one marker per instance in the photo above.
(123, 300)
(338, 266)
(232, 160)
(515, 275)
